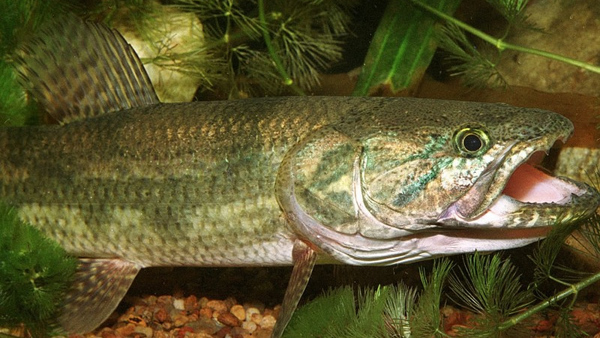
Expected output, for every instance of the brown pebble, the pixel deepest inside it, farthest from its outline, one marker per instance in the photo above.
(164, 300)
(161, 315)
(192, 317)
(267, 322)
(238, 311)
(125, 330)
(227, 318)
(202, 302)
(190, 303)
(145, 331)
(108, 334)
(151, 300)
(137, 320)
(250, 312)
(229, 302)
(206, 312)
(238, 332)
(180, 320)
(256, 317)
(249, 326)
(276, 311)
(160, 334)
(262, 333)
(217, 305)
(204, 325)
(224, 331)
(199, 335)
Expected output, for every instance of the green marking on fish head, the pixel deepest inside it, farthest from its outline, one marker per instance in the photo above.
(409, 176)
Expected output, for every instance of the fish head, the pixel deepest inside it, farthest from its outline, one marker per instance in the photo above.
(447, 177)
(468, 168)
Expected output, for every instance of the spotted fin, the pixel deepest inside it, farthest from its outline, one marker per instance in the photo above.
(304, 261)
(99, 286)
(78, 69)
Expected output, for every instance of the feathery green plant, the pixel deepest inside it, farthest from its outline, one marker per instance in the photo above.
(489, 287)
(341, 313)
(253, 47)
(399, 310)
(476, 69)
(427, 319)
(277, 44)
(19, 19)
(34, 275)
(387, 311)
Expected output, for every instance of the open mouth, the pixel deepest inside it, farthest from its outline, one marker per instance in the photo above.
(530, 185)
(530, 198)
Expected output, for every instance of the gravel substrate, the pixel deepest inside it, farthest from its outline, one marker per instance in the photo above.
(168, 316)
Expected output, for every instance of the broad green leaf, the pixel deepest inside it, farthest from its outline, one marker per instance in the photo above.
(402, 47)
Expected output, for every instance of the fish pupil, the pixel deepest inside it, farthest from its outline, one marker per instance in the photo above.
(472, 142)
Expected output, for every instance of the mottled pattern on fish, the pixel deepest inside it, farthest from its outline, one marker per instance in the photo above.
(187, 184)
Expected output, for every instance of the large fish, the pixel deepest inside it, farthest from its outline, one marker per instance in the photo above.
(126, 182)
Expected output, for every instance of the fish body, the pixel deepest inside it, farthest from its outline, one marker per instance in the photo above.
(126, 182)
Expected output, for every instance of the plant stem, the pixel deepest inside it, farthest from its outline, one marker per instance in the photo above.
(502, 45)
(572, 290)
(287, 80)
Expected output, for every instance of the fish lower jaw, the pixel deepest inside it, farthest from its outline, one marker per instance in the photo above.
(531, 198)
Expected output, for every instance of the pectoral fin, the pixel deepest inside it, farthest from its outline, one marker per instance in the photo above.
(99, 286)
(304, 261)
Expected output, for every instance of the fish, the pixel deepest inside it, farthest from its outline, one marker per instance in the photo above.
(124, 182)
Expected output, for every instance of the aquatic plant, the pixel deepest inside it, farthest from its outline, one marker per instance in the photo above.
(476, 68)
(35, 273)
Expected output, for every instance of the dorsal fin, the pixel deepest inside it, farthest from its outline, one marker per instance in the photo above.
(99, 286)
(78, 69)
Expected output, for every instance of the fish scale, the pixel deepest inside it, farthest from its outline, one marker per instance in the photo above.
(126, 182)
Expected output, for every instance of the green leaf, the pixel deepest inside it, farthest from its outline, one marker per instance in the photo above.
(402, 47)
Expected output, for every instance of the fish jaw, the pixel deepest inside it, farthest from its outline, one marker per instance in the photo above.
(540, 201)
(518, 195)
(518, 205)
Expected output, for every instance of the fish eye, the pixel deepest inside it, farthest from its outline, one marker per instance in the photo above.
(471, 142)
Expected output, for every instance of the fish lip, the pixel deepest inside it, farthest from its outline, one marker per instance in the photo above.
(488, 211)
